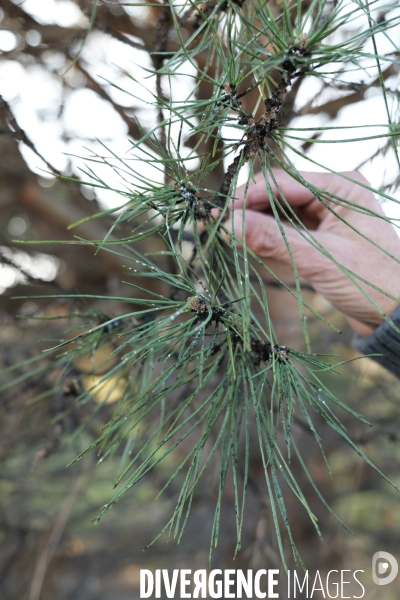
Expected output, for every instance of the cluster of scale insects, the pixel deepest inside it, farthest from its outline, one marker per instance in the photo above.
(264, 351)
(254, 139)
(258, 131)
(197, 207)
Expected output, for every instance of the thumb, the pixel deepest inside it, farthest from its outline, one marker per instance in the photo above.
(264, 237)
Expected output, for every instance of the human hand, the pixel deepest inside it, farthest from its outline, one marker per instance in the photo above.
(342, 242)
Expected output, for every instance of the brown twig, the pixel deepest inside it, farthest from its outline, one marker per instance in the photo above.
(106, 29)
(222, 196)
(54, 538)
(31, 278)
(157, 56)
(21, 135)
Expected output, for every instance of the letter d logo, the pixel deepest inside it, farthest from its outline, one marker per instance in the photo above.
(383, 567)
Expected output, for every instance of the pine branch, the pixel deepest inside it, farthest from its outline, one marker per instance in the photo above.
(198, 369)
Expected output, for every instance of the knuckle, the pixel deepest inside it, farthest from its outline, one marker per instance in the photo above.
(266, 240)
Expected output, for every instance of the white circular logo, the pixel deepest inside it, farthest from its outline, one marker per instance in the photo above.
(382, 567)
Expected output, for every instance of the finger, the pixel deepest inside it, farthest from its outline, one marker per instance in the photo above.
(264, 237)
(257, 197)
(299, 196)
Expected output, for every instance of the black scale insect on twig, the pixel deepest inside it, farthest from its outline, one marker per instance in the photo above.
(222, 196)
(230, 98)
(265, 351)
(200, 307)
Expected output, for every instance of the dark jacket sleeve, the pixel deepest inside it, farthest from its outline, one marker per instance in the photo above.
(385, 341)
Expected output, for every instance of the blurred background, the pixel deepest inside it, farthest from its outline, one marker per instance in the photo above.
(59, 66)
